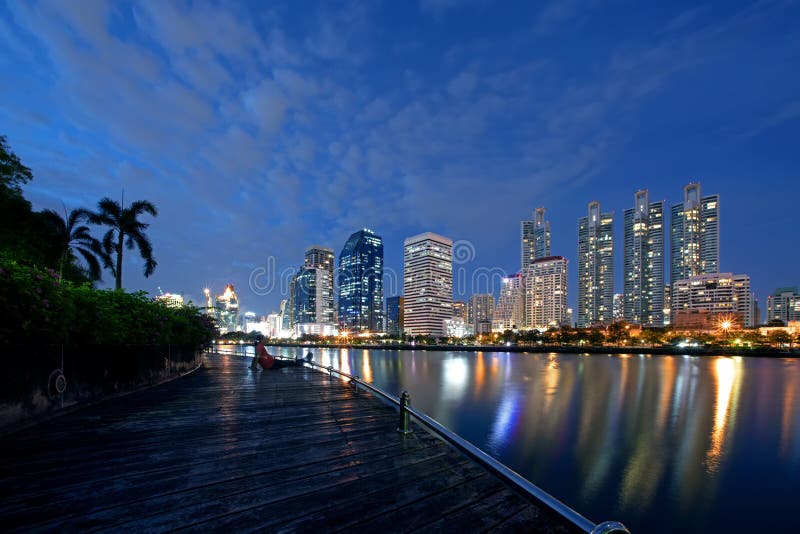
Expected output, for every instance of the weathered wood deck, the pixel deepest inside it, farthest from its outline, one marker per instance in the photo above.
(227, 448)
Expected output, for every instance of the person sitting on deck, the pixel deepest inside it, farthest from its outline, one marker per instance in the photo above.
(268, 361)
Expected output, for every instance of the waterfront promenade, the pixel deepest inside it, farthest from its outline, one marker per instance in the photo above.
(226, 447)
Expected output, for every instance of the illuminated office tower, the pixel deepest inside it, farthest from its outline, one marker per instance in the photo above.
(535, 238)
(595, 267)
(644, 262)
(361, 283)
(546, 293)
(321, 258)
(694, 235)
(427, 283)
(510, 311)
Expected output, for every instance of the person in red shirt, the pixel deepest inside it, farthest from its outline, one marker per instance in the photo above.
(268, 361)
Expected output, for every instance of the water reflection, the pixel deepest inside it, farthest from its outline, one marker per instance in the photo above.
(647, 440)
(725, 375)
(366, 369)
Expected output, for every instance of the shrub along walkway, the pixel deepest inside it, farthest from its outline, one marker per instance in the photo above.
(227, 447)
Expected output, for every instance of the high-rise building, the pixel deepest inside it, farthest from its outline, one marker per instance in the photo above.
(170, 300)
(510, 311)
(227, 310)
(361, 283)
(321, 258)
(644, 262)
(718, 295)
(694, 235)
(460, 309)
(286, 317)
(480, 312)
(595, 267)
(619, 306)
(535, 238)
(546, 293)
(394, 316)
(784, 305)
(428, 284)
(308, 297)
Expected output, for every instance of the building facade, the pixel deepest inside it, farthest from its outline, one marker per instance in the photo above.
(784, 305)
(546, 293)
(694, 235)
(509, 314)
(644, 262)
(321, 258)
(480, 312)
(619, 307)
(394, 316)
(308, 295)
(427, 283)
(535, 238)
(225, 309)
(595, 267)
(720, 295)
(360, 283)
(460, 310)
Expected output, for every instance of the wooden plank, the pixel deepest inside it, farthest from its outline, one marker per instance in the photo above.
(236, 449)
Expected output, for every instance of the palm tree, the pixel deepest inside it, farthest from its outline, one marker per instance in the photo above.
(125, 229)
(71, 236)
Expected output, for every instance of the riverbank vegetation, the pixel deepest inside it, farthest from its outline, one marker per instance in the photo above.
(615, 338)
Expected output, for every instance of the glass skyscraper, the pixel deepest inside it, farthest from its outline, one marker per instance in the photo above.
(595, 267)
(535, 239)
(360, 283)
(644, 262)
(305, 295)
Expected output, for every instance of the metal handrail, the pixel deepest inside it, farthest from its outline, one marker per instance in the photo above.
(502, 471)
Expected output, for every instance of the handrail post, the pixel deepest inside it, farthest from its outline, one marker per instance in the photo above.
(405, 402)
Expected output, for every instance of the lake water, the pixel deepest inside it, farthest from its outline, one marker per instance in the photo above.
(661, 443)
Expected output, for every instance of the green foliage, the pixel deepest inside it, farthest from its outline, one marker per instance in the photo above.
(41, 308)
(12, 172)
(595, 337)
(779, 338)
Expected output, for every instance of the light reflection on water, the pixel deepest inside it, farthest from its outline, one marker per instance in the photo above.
(661, 443)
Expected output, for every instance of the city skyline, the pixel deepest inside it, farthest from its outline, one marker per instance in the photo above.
(640, 283)
(259, 133)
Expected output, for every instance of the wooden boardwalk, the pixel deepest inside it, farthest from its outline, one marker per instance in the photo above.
(228, 448)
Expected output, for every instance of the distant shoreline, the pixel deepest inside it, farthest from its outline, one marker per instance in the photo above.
(571, 349)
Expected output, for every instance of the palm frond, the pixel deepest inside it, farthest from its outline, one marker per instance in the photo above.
(146, 251)
(143, 206)
(92, 262)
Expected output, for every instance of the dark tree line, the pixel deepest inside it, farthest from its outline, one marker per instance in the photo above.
(65, 242)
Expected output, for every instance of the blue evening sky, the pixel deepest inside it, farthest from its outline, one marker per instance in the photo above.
(260, 128)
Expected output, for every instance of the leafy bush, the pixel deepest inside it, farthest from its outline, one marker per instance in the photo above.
(40, 308)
